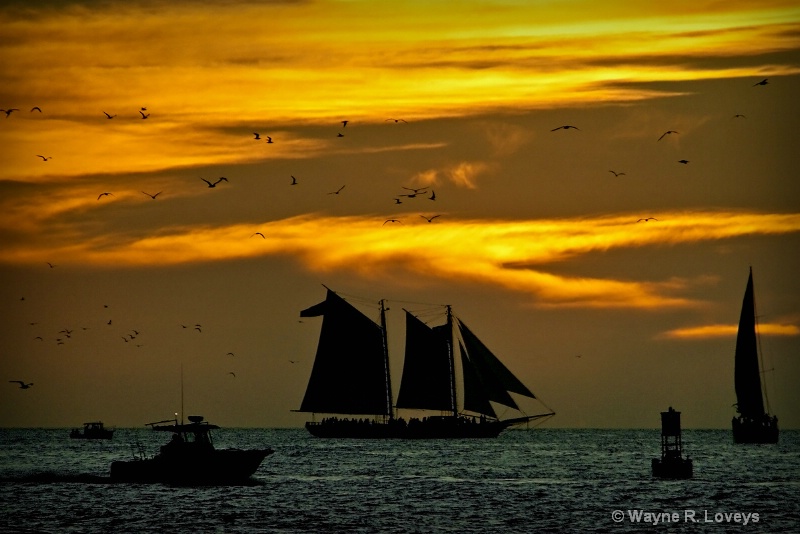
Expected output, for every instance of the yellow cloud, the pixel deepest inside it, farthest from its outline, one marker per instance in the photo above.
(725, 330)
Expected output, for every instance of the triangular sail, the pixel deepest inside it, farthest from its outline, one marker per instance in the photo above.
(495, 377)
(349, 374)
(747, 376)
(427, 372)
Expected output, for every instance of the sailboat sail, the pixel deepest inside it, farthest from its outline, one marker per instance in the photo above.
(476, 398)
(349, 374)
(425, 383)
(747, 378)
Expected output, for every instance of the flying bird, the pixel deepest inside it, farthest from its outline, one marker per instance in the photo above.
(565, 127)
(739, 116)
(398, 201)
(258, 137)
(44, 158)
(143, 114)
(617, 173)
(414, 192)
(430, 219)
(108, 116)
(232, 373)
(258, 233)
(294, 181)
(762, 82)
(397, 120)
(392, 221)
(230, 354)
(337, 191)
(221, 179)
(340, 134)
(269, 139)
(104, 195)
(152, 196)
(9, 111)
(645, 219)
(433, 195)
(50, 264)
(666, 133)
(684, 161)
(22, 385)
(36, 108)
(344, 124)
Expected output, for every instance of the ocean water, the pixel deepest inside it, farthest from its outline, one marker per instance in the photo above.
(542, 480)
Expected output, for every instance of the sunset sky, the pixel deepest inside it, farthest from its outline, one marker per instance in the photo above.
(605, 273)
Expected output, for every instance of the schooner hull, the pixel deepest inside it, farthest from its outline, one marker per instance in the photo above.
(751, 431)
(445, 427)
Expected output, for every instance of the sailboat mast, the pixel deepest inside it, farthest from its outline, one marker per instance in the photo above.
(762, 376)
(451, 358)
(386, 360)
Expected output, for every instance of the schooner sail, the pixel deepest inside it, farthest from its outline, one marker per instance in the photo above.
(754, 424)
(351, 377)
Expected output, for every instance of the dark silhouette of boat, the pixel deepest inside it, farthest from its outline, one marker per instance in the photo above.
(754, 423)
(92, 430)
(350, 379)
(672, 464)
(190, 458)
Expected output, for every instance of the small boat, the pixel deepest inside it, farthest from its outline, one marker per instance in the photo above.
(447, 370)
(672, 464)
(92, 430)
(754, 424)
(190, 458)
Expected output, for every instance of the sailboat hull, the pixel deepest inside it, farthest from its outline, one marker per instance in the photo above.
(444, 427)
(754, 431)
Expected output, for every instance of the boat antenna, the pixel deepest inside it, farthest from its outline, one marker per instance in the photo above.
(181, 393)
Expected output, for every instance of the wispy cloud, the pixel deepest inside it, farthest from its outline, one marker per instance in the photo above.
(728, 330)
(509, 254)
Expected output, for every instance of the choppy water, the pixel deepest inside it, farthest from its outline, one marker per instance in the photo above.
(545, 480)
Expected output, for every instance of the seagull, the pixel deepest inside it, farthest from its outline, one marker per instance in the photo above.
(414, 192)
(22, 385)
(258, 233)
(258, 137)
(739, 116)
(9, 111)
(50, 264)
(645, 219)
(269, 139)
(152, 196)
(433, 195)
(617, 173)
(337, 191)
(36, 108)
(230, 354)
(340, 134)
(762, 82)
(143, 114)
(221, 178)
(344, 124)
(565, 127)
(109, 116)
(397, 120)
(144, 109)
(392, 221)
(665, 133)
(684, 161)
(294, 181)
(104, 195)
(44, 158)
(398, 201)
(430, 219)
(232, 373)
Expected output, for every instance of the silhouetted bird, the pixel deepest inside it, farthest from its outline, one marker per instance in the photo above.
(143, 114)
(109, 116)
(396, 120)
(340, 134)
(22, 385)
(269, 139)
(337, 191)
(9, 111)
(344, 124)
(392, 221)
(565, 127)
(258, 233)
(762, 82)
(684, 161)
(430, 219)
(739, 116)
(433, 195)
(152, 196)
(36, 108)
(44, 158)
(258, 137)
(232, 373)
(617, 173)
(645, 219)
(104, 195)
(50, 264)
(666, 133)
(398, 201)
(221, 179)
(294, 181)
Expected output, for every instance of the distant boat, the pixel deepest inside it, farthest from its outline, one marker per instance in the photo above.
(754, 424)
(190, 458)
(350, 377)
(92, 430)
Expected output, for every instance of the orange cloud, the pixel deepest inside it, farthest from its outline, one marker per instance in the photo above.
(725, 330)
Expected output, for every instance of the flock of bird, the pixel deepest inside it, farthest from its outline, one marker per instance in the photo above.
(410, 193)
